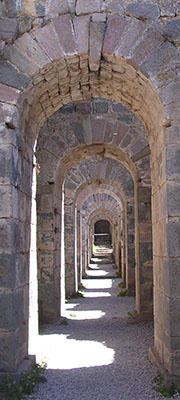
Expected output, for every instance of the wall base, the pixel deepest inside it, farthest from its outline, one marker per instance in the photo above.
(25, 366)
(167, 378)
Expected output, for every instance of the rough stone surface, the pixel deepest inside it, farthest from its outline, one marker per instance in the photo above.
(8, 28)
(172, 30)
(143, 10)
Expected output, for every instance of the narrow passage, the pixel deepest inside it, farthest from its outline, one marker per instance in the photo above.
(96, 352)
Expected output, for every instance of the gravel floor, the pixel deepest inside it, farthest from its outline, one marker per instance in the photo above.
(99, 354)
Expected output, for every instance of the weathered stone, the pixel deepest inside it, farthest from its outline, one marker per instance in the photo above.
(113, 6)
(61, 7)
(81, 25)
(25, 25)
(98, 129)
(97, 30)
(172, 29)
(15, 56)
(101, 107)
(27, 45)
(114, 30)
(47, 38)
(143, 10)
(168, 9)
(12, 7)
(8, 28)
(84, 7)
(64, 29)
(151, 40)
(12, 77)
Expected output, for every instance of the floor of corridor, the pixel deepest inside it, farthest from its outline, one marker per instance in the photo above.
(97, 353)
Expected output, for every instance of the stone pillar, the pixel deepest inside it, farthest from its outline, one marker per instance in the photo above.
(15, 215)
(78, 228)
(69, 229)
(166, 257)
(48, 243)
(83, 246)
(130, 253)
(33, 287)
(123, 246)
(145, 287)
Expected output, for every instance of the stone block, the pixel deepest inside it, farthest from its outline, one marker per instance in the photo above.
(24, 65)
(97, 30)
(151, 40)
(15, 314)
(143, 10)
(31, 49)
(47, 38)
(9, 202)
(46, 259)
(12, 77)
(64, 28)
(78, 130)
(114, 30)
(7, 136)
(145, 252)
(172, 29)
(173, 237)
(172, 161)
(25, 25)
(8, 165)
(11, 356)
(113, 6)
(46, 240)
(9, 94)
(61, 7)
(87, 130)
(170, 93)
(101, 107)
(98, 130)
(12, 8)
(45, 221)
(13, 270)
(81, 25)
(8, 28)
(88, 7)
(168, 9)
(13, 235)
(49, 306)
(173, 196)
(130, 36)
(144, 194)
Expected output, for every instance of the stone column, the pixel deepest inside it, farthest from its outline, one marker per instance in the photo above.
(69, 229)
(166, 256)
(48, 243)
(83, 246)
(145, 287)
(15, 215)
(130, 253)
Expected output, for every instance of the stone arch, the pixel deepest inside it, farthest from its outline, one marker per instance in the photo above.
(120, 78)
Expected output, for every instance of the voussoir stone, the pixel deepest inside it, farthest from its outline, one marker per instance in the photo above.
(12, 77)
(97, 30)
(64, 29)
(48, 39)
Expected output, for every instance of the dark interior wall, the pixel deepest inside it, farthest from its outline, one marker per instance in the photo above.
(102, 226)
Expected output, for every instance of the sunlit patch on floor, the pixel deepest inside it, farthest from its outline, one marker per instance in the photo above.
(61, 352)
